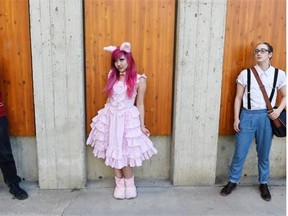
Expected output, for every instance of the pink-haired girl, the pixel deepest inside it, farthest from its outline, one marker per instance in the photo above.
(118, 132)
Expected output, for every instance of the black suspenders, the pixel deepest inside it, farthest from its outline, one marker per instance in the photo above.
(249, 86)
(274, 84)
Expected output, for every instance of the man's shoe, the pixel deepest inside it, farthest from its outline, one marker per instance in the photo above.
(228, 189)
(265, 193)
(17, 191)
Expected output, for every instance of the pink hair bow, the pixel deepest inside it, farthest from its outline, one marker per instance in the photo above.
(126, 46)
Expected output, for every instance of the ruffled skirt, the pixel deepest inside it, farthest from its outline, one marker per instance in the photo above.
(116, 136)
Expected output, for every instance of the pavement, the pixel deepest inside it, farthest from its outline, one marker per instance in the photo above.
(154, 198)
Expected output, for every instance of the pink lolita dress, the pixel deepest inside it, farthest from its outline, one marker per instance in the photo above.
(116, 135)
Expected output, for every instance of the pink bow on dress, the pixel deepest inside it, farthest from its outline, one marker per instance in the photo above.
(125, 46)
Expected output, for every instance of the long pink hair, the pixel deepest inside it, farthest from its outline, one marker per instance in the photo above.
(130, 77)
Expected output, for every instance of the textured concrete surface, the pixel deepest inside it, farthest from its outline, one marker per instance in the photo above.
(154, 198)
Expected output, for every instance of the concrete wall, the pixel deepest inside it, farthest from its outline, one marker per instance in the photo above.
(25, 155)
(198, 75)
(158, 167)
(226, 145)
(194, 155)
(58, 79)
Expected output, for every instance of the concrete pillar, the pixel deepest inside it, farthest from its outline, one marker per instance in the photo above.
(197, 92)
(58, 78)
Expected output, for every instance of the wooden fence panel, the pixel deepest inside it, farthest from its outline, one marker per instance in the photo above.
(15, 66)
(249, 22)
(149, 26)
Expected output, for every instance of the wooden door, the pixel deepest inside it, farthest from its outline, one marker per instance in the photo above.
(149, 26)
(248, 23)
(15, 66)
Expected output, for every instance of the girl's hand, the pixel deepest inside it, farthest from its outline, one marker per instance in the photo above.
(145, 130)
(274, 114)
(236, 125)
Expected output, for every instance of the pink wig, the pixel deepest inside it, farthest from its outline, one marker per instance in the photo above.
(131, 75)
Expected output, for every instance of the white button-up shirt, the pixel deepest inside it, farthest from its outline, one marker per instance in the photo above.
(267, 78)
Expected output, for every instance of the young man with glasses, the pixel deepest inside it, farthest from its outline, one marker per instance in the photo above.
(254, 121)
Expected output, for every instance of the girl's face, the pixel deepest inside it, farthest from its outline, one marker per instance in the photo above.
(121, 64)
(262, 54)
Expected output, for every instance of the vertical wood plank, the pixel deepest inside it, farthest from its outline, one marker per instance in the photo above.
(15, 66)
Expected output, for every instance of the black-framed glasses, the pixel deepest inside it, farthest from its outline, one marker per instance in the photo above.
(262, 51)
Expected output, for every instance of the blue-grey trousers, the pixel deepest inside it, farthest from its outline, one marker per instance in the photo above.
(253, 123)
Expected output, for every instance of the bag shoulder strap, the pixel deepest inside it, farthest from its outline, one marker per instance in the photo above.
(248, 88)
(262, 88)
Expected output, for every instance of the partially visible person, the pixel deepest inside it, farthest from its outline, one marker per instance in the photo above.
(254, 120)
(7, 163)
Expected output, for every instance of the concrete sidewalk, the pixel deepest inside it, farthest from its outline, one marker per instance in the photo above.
(154, 198)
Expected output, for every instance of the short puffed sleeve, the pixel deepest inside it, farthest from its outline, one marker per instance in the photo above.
(281, 81)
(242, 78)
(140, 76)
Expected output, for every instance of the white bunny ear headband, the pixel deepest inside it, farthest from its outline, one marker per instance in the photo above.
(126, 46)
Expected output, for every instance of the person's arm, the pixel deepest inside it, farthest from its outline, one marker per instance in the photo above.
(276, 112)
(140, 104)
(237, 106)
